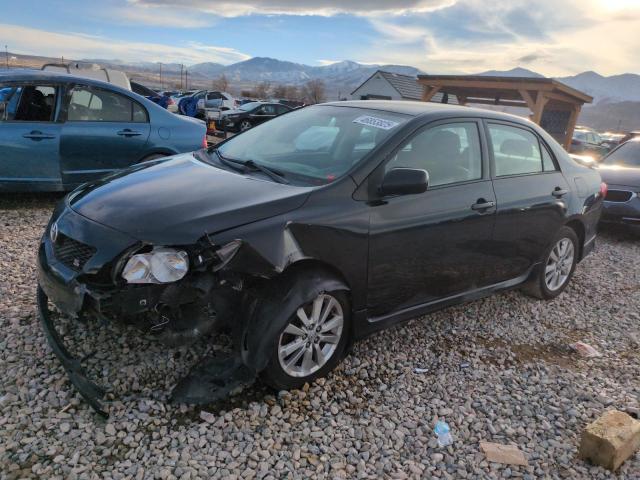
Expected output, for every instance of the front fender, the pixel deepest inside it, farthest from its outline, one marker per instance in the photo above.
(271, 307)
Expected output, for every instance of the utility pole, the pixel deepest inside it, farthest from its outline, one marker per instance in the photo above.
(6, 51)
(186, 79)
(181, 68)
(160, 75)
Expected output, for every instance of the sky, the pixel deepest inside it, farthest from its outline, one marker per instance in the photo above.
(551, 37)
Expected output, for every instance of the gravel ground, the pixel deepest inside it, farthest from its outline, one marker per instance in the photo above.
(498, 369)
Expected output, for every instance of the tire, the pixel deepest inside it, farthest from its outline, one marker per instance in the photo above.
(554, 276)
(244, 125)
(278, 375)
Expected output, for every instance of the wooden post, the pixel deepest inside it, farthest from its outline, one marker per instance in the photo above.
(571, 125)
(541, 101)
(429, 92)
(526, 96)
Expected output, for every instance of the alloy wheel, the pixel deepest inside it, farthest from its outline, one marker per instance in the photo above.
(559, 264)
(245, 125)
(311, 337)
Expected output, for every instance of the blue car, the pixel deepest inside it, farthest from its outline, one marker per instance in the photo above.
(58, 131)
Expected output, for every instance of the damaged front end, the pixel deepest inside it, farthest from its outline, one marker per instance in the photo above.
(176, 295)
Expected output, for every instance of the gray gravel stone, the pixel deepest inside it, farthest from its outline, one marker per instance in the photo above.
(372, 418)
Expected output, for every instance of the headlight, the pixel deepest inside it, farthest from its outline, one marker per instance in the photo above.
(161, 265)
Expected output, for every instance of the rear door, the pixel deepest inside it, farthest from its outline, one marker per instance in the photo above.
(104, 131)
(29, 135)
(532, 196)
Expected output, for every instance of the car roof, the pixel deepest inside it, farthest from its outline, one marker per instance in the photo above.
(428, 109)
(26, 75)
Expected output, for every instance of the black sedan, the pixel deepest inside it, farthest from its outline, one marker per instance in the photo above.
(314, 230)
(249, 115)
(621, 171)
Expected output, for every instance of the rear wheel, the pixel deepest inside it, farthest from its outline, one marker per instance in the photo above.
(312, 343)
(557, 267)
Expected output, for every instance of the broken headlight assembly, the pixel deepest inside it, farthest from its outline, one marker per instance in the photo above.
(160, 265)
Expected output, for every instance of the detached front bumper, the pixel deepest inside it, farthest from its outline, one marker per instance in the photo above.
(73, 296)
(91, 392)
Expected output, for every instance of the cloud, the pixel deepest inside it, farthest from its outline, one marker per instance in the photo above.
(79, 46)
(554, 38)
(235, 8)
(170, 17)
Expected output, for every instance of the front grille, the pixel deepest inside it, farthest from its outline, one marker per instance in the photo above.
(618, 196)
(72, 253)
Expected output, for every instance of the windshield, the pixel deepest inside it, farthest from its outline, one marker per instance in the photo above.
(249, 106)
(627, 155)
(314, 145)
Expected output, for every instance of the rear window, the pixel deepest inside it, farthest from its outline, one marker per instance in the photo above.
(516, 151)
(88, 104)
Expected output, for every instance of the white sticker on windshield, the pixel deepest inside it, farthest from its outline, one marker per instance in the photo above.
(375, 122)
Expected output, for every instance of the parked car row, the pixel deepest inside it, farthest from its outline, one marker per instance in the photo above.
(588, 143)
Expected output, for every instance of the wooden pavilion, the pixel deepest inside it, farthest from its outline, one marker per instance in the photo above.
(554, 105)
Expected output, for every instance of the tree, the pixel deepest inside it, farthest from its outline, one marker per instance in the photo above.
(292, 93)
(221, 83)
(280, 91)
(314, 91)
(262, 90)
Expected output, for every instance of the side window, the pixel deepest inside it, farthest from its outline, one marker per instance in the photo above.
(547, 160)
(29, 103)
(213, 96)
(516, 151)
(282, 109)
(450, 153)
(268, 110)
(97, 105)
(139, 113)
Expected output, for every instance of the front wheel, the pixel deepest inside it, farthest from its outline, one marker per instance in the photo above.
(245, 125)
(312, 343)
(557, 267)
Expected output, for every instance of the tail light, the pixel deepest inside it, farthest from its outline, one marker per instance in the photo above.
(603, 189)
(204, 141)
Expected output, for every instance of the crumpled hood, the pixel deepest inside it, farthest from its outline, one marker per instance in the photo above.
(623, 176)
(175, 201)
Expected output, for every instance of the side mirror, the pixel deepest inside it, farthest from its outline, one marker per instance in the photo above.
(404, 181)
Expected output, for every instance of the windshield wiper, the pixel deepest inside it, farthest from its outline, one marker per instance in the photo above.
(229, 163)
(274, 174)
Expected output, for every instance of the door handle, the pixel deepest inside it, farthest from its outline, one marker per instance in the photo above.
(128, 133)
(482, 204)
(559, 192)
(37, 135)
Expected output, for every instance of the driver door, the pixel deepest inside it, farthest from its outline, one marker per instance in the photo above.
(431, 246)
